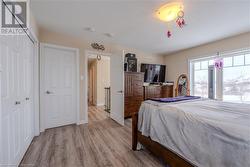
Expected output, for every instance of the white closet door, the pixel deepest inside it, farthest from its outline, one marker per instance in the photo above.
(27, 94)
(11, 114)
(1, 144)
(16, 118)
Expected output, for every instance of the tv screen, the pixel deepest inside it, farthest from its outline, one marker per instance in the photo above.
(153, 73)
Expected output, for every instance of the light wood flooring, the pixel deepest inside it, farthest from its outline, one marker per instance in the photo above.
(100, 143)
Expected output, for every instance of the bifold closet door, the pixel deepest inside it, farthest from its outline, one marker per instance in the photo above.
(17, 120)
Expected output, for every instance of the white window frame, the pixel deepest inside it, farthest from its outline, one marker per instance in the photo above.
(191, 70)
(219, 73)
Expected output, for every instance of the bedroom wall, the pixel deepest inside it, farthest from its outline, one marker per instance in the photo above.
(177, 63)
(33, 25)
(143, 57)
(56, 38)
(52, 37)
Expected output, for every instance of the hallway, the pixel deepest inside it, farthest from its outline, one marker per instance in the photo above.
(96, 114)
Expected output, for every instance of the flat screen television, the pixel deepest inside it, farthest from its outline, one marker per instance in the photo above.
(153, 73)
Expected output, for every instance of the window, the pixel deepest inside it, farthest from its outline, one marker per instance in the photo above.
(247, 59)
(235, 77)
(228, 62)
(200, 78)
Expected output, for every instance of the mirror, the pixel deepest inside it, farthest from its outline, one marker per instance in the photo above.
(182, 87)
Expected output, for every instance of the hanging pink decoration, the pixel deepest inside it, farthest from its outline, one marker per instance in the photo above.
(180, 19)
(172, 12)
(169, 34)
(218, 63)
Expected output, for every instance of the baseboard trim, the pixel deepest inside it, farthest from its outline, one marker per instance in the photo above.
(100, 104)
(81, 122)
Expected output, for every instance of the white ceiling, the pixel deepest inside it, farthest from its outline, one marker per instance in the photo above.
(134, 25)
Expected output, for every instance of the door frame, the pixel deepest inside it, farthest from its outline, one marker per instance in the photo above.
(85, 82)
(76, 50)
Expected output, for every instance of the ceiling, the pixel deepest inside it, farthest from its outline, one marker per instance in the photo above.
(134, 25)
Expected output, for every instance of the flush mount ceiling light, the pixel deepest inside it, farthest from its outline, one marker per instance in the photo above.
(171, 11)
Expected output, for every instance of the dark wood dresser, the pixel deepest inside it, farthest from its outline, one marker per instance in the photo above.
(133, 93)
(157, 91)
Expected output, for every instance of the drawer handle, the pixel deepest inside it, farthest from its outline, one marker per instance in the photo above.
(27, 98)
(17, 102)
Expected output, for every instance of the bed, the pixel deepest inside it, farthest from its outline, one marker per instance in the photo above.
(200, 132)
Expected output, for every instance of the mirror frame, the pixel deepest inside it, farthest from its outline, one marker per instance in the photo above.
(177, 87)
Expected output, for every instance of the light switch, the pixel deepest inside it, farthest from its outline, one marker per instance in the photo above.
(81, 77)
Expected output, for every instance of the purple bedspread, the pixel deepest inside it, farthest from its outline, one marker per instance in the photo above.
(175, 99)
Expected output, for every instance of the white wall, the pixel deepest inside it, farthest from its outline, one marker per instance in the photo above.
(34, 26)
(177, 63)
(143, 57)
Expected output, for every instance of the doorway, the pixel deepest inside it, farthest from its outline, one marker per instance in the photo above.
(116, 84)
(98, 82)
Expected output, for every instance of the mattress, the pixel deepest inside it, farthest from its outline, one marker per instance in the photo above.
(207, 133)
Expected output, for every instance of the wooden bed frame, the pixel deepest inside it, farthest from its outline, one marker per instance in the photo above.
(160, 151)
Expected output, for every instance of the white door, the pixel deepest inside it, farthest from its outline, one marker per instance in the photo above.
(117, 86)
(17, 119)
(58, 85)
(28, 92)
(1, 143)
